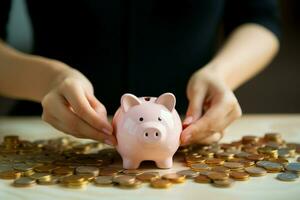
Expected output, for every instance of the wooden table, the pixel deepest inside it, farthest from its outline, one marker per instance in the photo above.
(266, 187)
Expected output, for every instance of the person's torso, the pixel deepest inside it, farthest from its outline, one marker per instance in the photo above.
(144, 47)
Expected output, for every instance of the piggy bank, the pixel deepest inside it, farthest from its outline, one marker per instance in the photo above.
(147, 128)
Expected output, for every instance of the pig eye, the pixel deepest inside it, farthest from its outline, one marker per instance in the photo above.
(141, 119)
(159, 119)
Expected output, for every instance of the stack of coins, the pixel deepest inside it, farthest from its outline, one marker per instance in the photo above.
(71, 164)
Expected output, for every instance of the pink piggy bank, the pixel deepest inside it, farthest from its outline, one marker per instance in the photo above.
(147, 128)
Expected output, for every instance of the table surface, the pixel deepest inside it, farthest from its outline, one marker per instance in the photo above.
(266, 187)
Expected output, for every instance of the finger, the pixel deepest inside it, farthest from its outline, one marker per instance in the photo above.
(72, 124)
(212, 121)
(215, 137)
(195, 106)
(82, 108)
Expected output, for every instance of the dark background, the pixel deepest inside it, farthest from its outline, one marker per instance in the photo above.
(275, 90)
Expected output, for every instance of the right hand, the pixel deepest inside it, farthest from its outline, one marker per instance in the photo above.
(70, 106)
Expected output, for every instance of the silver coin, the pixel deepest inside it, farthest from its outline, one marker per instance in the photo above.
(268, 164)
(287, 176)
(24, 182)
(293, 167)
(188, 173)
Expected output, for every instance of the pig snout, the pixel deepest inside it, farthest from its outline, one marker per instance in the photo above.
(152, 132)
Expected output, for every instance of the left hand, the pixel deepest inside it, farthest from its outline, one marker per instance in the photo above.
(208, 93)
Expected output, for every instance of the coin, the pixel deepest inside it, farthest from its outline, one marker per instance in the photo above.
(147, 176)
(161, 183)
(123, 179)
(130, 185)
(108, 172)
(63, 171)
(256, 171)
(202, 179)
(74, 181)
(239, 176)
(188, 173)
(11, 174)
(214, 161)
(233, 165)
(37, 176)
(132, 172)
(103, 180)
(87, 170)
(217, 175)
(223, 183)
(293, 167)
(220, 169)
(270, 166)
(255, 157)
(287, 176)
(48, 181)
(174, 178)
(45, 168)
(24, 182)
(199, 167)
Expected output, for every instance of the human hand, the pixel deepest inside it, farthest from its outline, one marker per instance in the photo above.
(212, 107)
(71, 107)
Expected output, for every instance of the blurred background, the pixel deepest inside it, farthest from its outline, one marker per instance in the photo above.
(275, 90)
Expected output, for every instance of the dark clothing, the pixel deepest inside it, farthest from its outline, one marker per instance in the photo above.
(143, 47)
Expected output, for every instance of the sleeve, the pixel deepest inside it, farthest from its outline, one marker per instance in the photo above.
(4, 15)
(263, 12)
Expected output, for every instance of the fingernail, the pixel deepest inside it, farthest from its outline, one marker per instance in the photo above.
(106, 131)
(109, 142)
(188, 120)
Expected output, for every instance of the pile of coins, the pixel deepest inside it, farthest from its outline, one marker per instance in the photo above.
(73, 164)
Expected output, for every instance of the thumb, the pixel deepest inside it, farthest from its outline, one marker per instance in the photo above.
(194, 110)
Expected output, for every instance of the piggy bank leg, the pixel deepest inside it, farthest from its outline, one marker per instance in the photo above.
(165, 164)
(131, 163)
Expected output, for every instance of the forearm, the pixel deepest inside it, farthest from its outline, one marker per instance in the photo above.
(247, 51)
(24, 76)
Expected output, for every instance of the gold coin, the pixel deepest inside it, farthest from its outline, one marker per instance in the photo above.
(147, 176)
(220, 169)
(239, 176)
(123, 179)
(223, 183)
(11, 174)
(202, 179)
(73, 179)
(214, 161)
(217, 176)
(103, 180)
(129, 185)
(50, 181)
(63, 171)
(255, 157)
(45, 168)
(108, 172)
(175, 178)
(233, 165)
(161, 183)
(87, 170)
(37, 176)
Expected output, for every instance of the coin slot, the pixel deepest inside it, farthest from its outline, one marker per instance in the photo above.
(147, 98)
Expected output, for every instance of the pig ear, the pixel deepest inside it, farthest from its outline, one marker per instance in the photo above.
(129, 100)
(168, 100)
